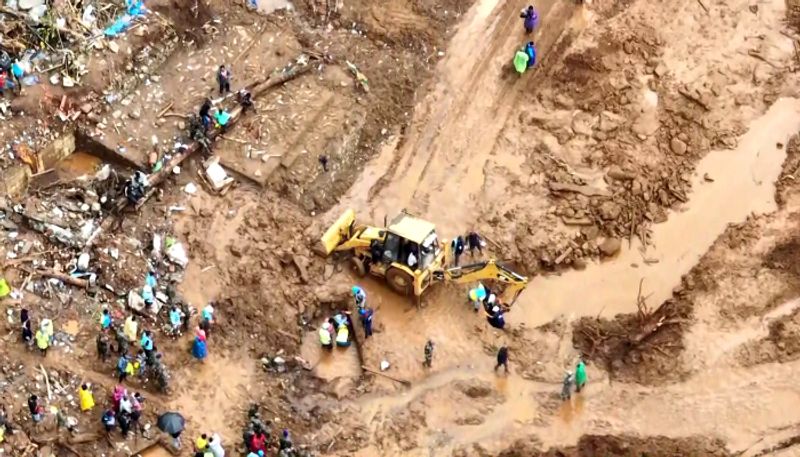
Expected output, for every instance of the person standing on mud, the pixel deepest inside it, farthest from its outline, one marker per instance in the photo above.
(566, 386)
(502, 358)
(531, 19)
(457, 246)
(366, 315)
(580, 375)
(103, 346)
(428, 354)
(474, 242)
(224, 79)
(27, 333)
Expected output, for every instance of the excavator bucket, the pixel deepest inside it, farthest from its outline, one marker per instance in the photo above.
(338, 232)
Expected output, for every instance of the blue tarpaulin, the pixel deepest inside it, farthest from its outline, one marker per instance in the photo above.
(134, 8)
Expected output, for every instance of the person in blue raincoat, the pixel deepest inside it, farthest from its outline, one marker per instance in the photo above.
(199, 348)
(530, 49)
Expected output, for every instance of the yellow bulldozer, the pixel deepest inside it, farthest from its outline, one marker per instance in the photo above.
(409, 255)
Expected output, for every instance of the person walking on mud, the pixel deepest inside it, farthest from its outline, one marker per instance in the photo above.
(224, 80)
(502, 358)
(103, 346)
(580, 375)
(531, 19)
(566, 386)
(457, 246)
(428, 354)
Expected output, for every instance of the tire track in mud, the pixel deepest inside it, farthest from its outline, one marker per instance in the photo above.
(442, 156)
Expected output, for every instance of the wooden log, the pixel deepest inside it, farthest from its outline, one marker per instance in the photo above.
(380, 373)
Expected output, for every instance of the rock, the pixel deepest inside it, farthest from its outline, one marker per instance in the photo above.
(677, 146)
(610, 246)
(562, 101)
(582, 123)
(235, 250)
(93, 118)
(300, 262)
(327, 272)
(609, 210)
(660, 70)
(134, 114)
(181, 125)
(86, 108)
(588, 191)
(476, 390)
(29, 4)
(155, 78)
(113, 47)
(609, 121)
(615, 172)
(116, 114)
(579, 264)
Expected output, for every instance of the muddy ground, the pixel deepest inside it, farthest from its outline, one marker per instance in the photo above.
(643, 174)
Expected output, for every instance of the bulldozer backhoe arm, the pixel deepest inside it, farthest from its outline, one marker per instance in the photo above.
(489, 269)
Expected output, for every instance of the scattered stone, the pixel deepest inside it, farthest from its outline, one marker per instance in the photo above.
(609, 210)
(609, 121)
(113, 47)
(29, 4)
(86, 108)
(583, 123)
(677, 146)
(235, 250)
(610, 246)
(328, 272)
(135, 114)
(660, 70)
(116, 114)
(181, 125)
(589, 191)
(707, 178)
(615, 172)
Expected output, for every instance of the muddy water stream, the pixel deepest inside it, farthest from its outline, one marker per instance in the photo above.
(744, 183)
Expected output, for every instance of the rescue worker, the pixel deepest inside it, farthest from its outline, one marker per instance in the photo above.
(85, 397)
(205, 114)
(199, 347)
(125, 367)
(566, 386)
(343, 336)
(366, 315)
(201, 443)
(521, 60)
(531, 19)
(42, 341)
(530, 49)
(359, 296)
(474, 242)
(147, 342)
(27, 333)
(105, 319)
(580, 375)
(207, 318)
(477, 295)
(175, 317)
(109, 420)
(428, 354)
(131, 328)
(224, 79)
(325, 338)
(215, 445)
(37, 411)
(457, 246)
(103, 346)
(496, 319)
(502, 358)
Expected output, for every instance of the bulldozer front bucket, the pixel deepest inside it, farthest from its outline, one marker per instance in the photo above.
(338, 232)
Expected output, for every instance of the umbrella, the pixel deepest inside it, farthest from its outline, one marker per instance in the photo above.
(171, 423)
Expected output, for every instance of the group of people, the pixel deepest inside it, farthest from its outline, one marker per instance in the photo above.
(44, 335)
(337, 329)
(209, 445)
(578, 380)
(125, 411)
(482, 296)
(257, 437)
(471, 242)
(525, 57)
(219, 117)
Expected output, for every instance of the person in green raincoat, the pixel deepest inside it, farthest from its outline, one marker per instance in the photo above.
(521, 60)
(580, 375)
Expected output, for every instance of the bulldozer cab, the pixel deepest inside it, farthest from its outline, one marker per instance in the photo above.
(412, 242)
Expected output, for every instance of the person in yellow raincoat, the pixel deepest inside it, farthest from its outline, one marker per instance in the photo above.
(86, 398)
(131, 328)
(42, 341)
